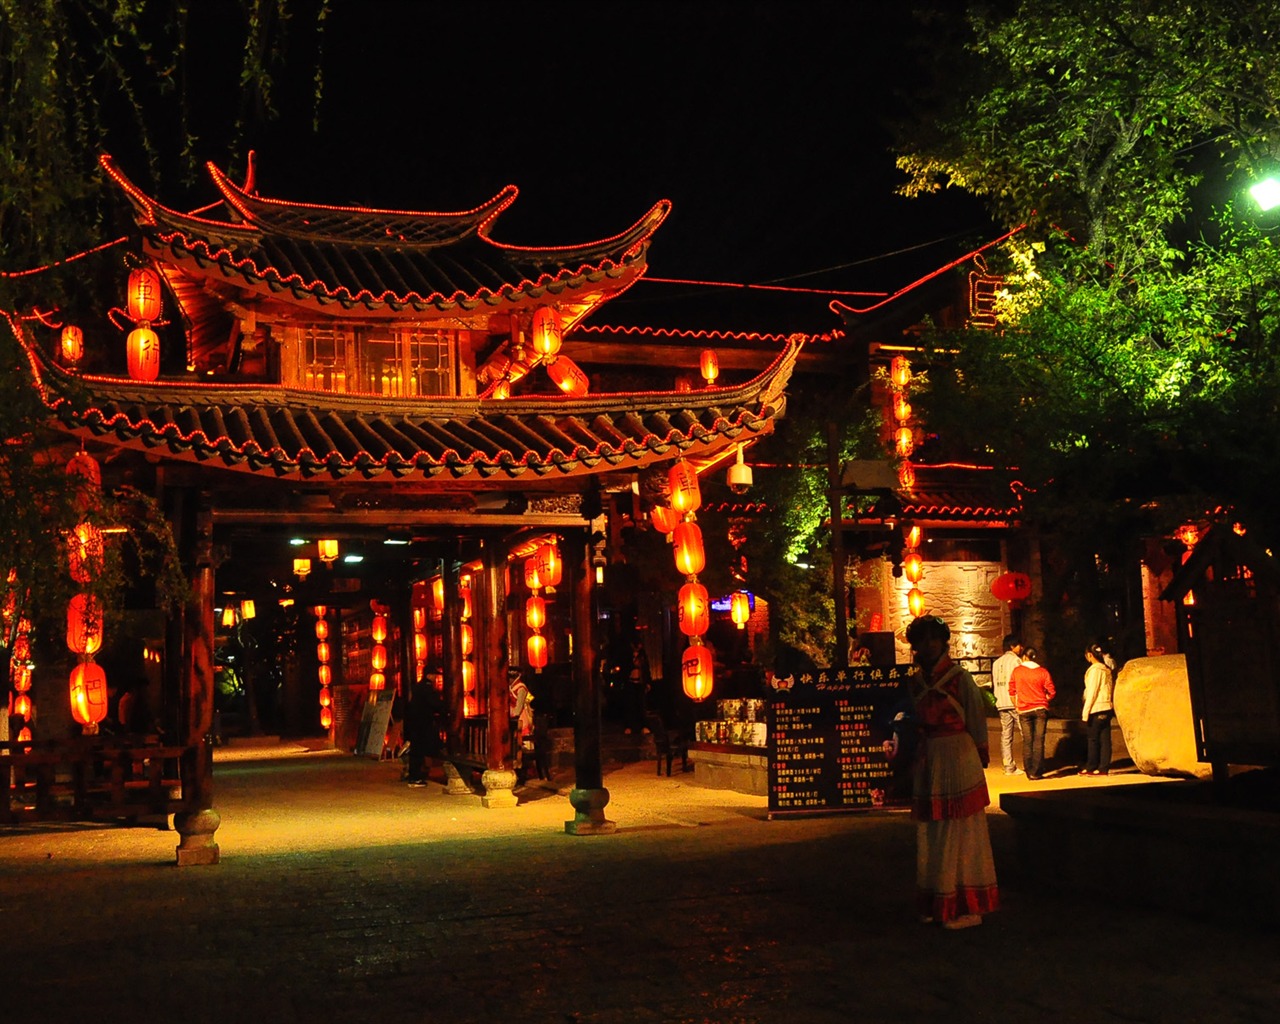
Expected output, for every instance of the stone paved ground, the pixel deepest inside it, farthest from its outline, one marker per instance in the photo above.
(345, 896)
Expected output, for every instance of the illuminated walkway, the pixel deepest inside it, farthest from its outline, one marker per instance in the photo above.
(345, 895)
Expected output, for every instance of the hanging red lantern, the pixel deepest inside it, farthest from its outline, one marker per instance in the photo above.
(691, 557)
(535, 613)
(1011, 586)
(144, 295)
(84, 624)
(550, 566)
(900, 371)
(568, 377)
(326, 697)
(322, 652)
(697, 672)
(537, 648)
(709, 365)
(419, 618)
(913, 567)
(326, 718)
(437, 593)
(546, 332)
(915, 602)
(532, 573)
(72, 344)
(913, 536)
(378, 629)
(378, 657)
(904, 441)
(143, 350)
(22, 705)
(694, 609)
(686, 495)
(325, 675)
(740, 609)
(664, 519)
(901, 409)
(419, 647)
(464, 592)
(322, 629)
(85, 551)
(20, 676)
(906, 476)
(467, 639)
(88, 693)
(468, 677)
(377, 681)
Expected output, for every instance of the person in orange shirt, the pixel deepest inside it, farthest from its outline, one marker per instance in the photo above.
(1031, 688)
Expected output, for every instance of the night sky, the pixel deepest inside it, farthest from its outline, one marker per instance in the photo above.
(763, 123)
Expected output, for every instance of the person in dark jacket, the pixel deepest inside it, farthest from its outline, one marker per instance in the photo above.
(422, 731)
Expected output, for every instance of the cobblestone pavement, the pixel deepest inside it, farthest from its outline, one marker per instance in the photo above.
(344, 895)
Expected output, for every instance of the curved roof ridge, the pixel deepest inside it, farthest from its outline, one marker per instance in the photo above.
(376, 225)
(154, 212)
(629, 239)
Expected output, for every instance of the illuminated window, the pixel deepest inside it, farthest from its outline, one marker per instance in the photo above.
(395, 362)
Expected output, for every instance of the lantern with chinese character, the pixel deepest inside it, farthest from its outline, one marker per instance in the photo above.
(144, 295)
(84, 552)
(900, 371)
(84, 624)
(88, 694)
(691, 557)
(532, 574)
(550, 567)
(740, 609)
(568, 377)
(694, 609)
(696, 672)
(143, 352)
(664, 519)
(1011, 586)
(72, 344)
(686, 495)
(547, 333)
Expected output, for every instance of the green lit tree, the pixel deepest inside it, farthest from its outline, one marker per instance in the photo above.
(1133, 381)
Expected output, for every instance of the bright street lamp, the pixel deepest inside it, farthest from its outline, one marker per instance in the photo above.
(1266, 193)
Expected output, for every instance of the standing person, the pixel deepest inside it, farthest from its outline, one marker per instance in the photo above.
(521, 713)
(955, 872)
(1097, 711)
(1031, 688)
(422, 730)
(636, 692)
(1001, 669)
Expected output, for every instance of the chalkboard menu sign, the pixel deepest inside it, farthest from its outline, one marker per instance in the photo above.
(842, 740)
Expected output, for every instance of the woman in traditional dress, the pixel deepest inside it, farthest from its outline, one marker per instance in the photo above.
(955, 872)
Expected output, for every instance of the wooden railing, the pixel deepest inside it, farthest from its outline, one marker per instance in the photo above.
(95, 778)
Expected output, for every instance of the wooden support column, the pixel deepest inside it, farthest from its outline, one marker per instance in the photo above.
(197, 825)
(489, 601)
(588, 796)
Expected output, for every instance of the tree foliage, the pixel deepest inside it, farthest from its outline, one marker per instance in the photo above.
(1134, 380)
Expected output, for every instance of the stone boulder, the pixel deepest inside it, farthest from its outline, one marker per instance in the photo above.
(1153, 708)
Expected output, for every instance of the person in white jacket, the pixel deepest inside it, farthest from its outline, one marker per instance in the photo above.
(1097, 711)
(1001, 669)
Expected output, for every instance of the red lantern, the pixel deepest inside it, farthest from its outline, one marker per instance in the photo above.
(535, 612)
(709, 365)
(84, 552)
(84, 624)
(326, 697)
(547, 332)
(379, 629)
(464, 592)
(322, 629)
(468, 677)
(901, 409)
(377, 681)
(419, 647)
(686, 495)
(325, 675)
(691, 557)
(906, 476)
(537, 648)
(740, 609)
(72, 344)
(904, 441)
(568, 377)
(437, 593)
(144, 354)
(467, 638)
(22, 705)
(913, 567)
(419, 619)
(694, 609)
(696, 672)
(550, 567)
(664, 519)
(1011, 586)
(532, 573)
(378, 657)
(915, 602)
(21, 676)
(914, 536)
(144, 295)
(322, 652)
(326, 717)
(88, 693)
(900, 371)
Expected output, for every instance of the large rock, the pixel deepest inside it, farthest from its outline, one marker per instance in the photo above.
(1153, 707)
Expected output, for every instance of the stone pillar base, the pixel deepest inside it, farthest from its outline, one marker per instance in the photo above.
(196, 829)
(499, 784)
(454, 783)
(589, 819)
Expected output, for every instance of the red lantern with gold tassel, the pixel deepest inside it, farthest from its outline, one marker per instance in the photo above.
(740, 609)
(550, 566)
(144, 295)
(546, 333)
(537, 650)
(84, 624)
(686, 495)
(535, 612)
(88, 694)
(143, 351)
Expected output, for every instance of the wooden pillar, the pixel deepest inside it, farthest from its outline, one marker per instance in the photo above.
(489, 602)
(197, 825)
(588, 796)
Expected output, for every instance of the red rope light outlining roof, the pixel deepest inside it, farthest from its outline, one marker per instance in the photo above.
(763, 287)
(703, 335)
(836, 306)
